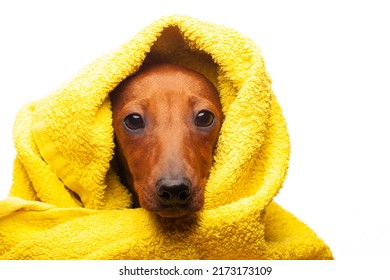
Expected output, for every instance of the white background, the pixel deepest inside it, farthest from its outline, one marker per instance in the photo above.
(330, 65)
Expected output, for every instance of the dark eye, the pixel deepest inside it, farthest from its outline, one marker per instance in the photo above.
(204, 119)
(134, 122)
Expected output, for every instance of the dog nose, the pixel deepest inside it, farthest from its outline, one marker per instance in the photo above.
(174, 192)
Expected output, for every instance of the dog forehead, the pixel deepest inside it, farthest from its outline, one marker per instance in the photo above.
(171, 76)
(179, 79)
(166, 81)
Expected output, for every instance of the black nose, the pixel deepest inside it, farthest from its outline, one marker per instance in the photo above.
(174, 192)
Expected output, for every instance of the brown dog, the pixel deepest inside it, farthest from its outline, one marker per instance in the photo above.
(166, 120)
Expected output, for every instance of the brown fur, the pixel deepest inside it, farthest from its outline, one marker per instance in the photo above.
(166, 163)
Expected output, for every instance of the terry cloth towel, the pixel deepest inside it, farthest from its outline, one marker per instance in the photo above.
(67, 202)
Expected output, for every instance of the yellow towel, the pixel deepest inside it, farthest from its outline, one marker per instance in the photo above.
(66, 202)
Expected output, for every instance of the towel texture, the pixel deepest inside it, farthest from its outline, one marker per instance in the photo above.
(66, 202)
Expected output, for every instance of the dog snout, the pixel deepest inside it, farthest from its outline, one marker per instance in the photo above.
(174, 192)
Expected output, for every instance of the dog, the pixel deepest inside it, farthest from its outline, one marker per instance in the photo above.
(166, 121)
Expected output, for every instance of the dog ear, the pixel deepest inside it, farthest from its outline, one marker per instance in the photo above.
(150, 60)
(120, 167)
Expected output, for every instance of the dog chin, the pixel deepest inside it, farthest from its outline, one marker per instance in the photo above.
(172, 214)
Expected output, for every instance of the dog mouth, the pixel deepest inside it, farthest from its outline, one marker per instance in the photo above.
(177, 211)
(174, 210)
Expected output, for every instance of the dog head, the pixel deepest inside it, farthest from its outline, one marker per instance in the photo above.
(166, 120)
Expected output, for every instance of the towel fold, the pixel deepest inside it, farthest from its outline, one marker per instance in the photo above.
(67, 202)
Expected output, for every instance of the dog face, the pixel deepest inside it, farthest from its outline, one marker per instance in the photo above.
(166, 120)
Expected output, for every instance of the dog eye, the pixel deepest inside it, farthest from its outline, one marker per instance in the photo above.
(134, 122)
(204, 119)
